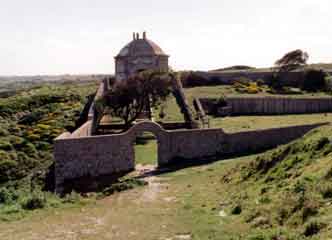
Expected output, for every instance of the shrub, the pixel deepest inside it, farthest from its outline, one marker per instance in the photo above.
(44, 146)
(123, 186)
(326, 190)
(237, 210)
(328, 175)
(4, 145)
(8, 170)
(322, 142)
(29, 149)
(265, 200)
(245, 85)
(313, 228)
(328, 82)
(253, 88)
(33, 137)
(73, 197)
(3, 132)
(314, 80)
(260, 82)
(300, 187)
(17, 142)
(7, 195)
(36, 200)
(31, 118)
(192, 79)
(310, 208)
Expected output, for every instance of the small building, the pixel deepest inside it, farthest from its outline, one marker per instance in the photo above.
(139, 55)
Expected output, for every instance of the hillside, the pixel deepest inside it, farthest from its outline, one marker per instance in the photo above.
(285, 193)
(29, 121)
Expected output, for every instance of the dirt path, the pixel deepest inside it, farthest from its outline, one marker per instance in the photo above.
(134, 214)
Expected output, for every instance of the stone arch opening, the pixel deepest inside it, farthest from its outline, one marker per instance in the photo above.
(160, 136)
(146, 148)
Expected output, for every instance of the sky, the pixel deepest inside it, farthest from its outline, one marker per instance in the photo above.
(83, 36)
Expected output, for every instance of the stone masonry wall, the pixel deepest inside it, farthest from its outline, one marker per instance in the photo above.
(83, 131)
(272, 105)
(94, 156)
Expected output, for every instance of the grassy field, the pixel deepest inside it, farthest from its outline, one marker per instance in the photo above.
(247, 123)
(242, 123)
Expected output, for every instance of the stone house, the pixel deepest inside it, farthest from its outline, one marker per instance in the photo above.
(139, 55)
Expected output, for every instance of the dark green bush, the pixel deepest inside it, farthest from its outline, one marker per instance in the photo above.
(237, 210)
(29, 149)
(44, 146)
(17, 142)
(4, 156)
(36, 200)
(3, 131)
(322, 142)
(6, 146)
(314, 80)
(73, 197)
(7, 196)
(328, 174)
(31, 118)
(7, 170)
(123, 186)
(313, 228)
(310, 208)
(300, 187)
(326, 190)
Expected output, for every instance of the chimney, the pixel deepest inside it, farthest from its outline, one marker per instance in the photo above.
(134, 36)
(144, 35)
(137, 36)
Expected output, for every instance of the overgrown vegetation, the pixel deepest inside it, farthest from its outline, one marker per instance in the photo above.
(290, 184)
(29, 122)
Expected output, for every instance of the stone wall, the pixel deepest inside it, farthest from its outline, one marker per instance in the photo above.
(83, 131)
(272, 105)
(254, 141)
(94, 156)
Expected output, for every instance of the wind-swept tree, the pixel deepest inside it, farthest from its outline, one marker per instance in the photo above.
(289, 62)
(129, 98)
(292, 60)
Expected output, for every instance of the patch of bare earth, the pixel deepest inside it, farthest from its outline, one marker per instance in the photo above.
(134, 214)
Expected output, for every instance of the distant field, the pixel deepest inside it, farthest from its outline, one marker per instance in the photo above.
(235, 124)
(246, 123)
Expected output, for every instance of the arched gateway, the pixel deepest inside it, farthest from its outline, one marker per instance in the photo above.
(157, 130)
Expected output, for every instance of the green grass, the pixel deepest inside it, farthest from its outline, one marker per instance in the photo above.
(241, 123)
(282, 200)
(146, 150)
(248, 123)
